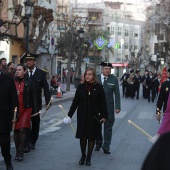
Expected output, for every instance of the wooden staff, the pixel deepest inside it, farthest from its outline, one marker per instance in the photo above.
(36, 114)
(67, 116)
(140, 129)
(14, 119)
(47, 107)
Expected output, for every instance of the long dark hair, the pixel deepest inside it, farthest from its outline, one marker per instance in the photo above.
(95, 81)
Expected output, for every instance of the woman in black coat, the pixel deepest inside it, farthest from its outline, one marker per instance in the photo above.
(91, 108)
(27, 104)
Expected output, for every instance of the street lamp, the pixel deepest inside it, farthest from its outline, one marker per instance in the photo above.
(28, 12)
(81, 36)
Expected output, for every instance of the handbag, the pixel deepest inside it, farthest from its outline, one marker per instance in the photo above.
(98, 117)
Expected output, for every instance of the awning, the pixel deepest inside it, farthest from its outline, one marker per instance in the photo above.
(119, 64)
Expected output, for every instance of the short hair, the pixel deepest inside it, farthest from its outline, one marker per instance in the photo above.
(0, 61)
(3, 59)
(23, 66)
(94, 75)
(9, 64)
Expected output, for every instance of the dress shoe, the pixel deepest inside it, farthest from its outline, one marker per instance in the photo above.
(9, 167)
(26, 150)
(16, 156)
(88, 162)
(21, 156)
(81, 162)
(107, 152)
(32, 146)
(97, 149)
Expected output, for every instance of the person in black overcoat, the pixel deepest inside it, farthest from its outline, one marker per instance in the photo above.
(38, 77)
(8, 102)
(158, 156)
(91, 108)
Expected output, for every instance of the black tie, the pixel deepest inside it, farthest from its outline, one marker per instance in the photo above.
(30, 74)
(104, 82)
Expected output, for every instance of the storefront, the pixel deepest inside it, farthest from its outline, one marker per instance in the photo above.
(119, 68)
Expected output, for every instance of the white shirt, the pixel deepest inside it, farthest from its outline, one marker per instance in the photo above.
(102, 78)
(33, 71)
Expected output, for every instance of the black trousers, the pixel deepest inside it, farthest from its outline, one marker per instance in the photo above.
(35, 128)
(5, 147)
(33, 133)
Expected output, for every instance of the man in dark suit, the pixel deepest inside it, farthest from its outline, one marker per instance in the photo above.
(38, 77)
(163, 95)
(112, 94)
(8, 102)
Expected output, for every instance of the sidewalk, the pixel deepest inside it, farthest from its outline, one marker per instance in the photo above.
(67, 95)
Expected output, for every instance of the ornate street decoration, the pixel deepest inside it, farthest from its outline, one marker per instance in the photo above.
(100, 43)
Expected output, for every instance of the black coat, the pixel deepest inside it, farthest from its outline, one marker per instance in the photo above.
(8, 102)
(87, 107)
(40, 82)
(163, 95)
(29, 95)
(158, 156)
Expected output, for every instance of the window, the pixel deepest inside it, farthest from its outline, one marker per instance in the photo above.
(126, 46)
(119, 56)
(119, 30)
(126, 33)
(112, 30)
(15, 59)
(135, 47)
(136, 35)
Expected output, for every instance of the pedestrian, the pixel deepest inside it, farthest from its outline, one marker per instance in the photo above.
(124, 83)
(8, 102)
(163, 94)
(111, 89)
(4, 66)
(165, 124)
(144, 85)
(158, 156)
(11, 69)
(158, 84)
(27, 105)
(137, 83)
(38, 77)
(91, 108)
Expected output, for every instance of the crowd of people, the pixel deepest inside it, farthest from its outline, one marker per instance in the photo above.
(132, 80)
(21, 103)
(21, 98)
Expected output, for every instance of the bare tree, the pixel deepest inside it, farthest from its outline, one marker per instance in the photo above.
(41, 18)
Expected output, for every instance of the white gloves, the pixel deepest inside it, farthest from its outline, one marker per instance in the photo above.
(67, 120)
(153, 139)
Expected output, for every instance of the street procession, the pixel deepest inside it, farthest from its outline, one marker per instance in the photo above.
(84, 84)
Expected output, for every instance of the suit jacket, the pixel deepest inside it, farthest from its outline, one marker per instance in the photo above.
(40, 82)
(8, 102)
(112, 93)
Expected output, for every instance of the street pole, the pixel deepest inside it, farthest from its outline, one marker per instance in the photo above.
(51, 64)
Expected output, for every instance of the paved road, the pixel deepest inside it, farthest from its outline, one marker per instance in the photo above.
(58, 149)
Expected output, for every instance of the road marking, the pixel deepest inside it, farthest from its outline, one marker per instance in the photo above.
(121, 114)
(145, 115)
